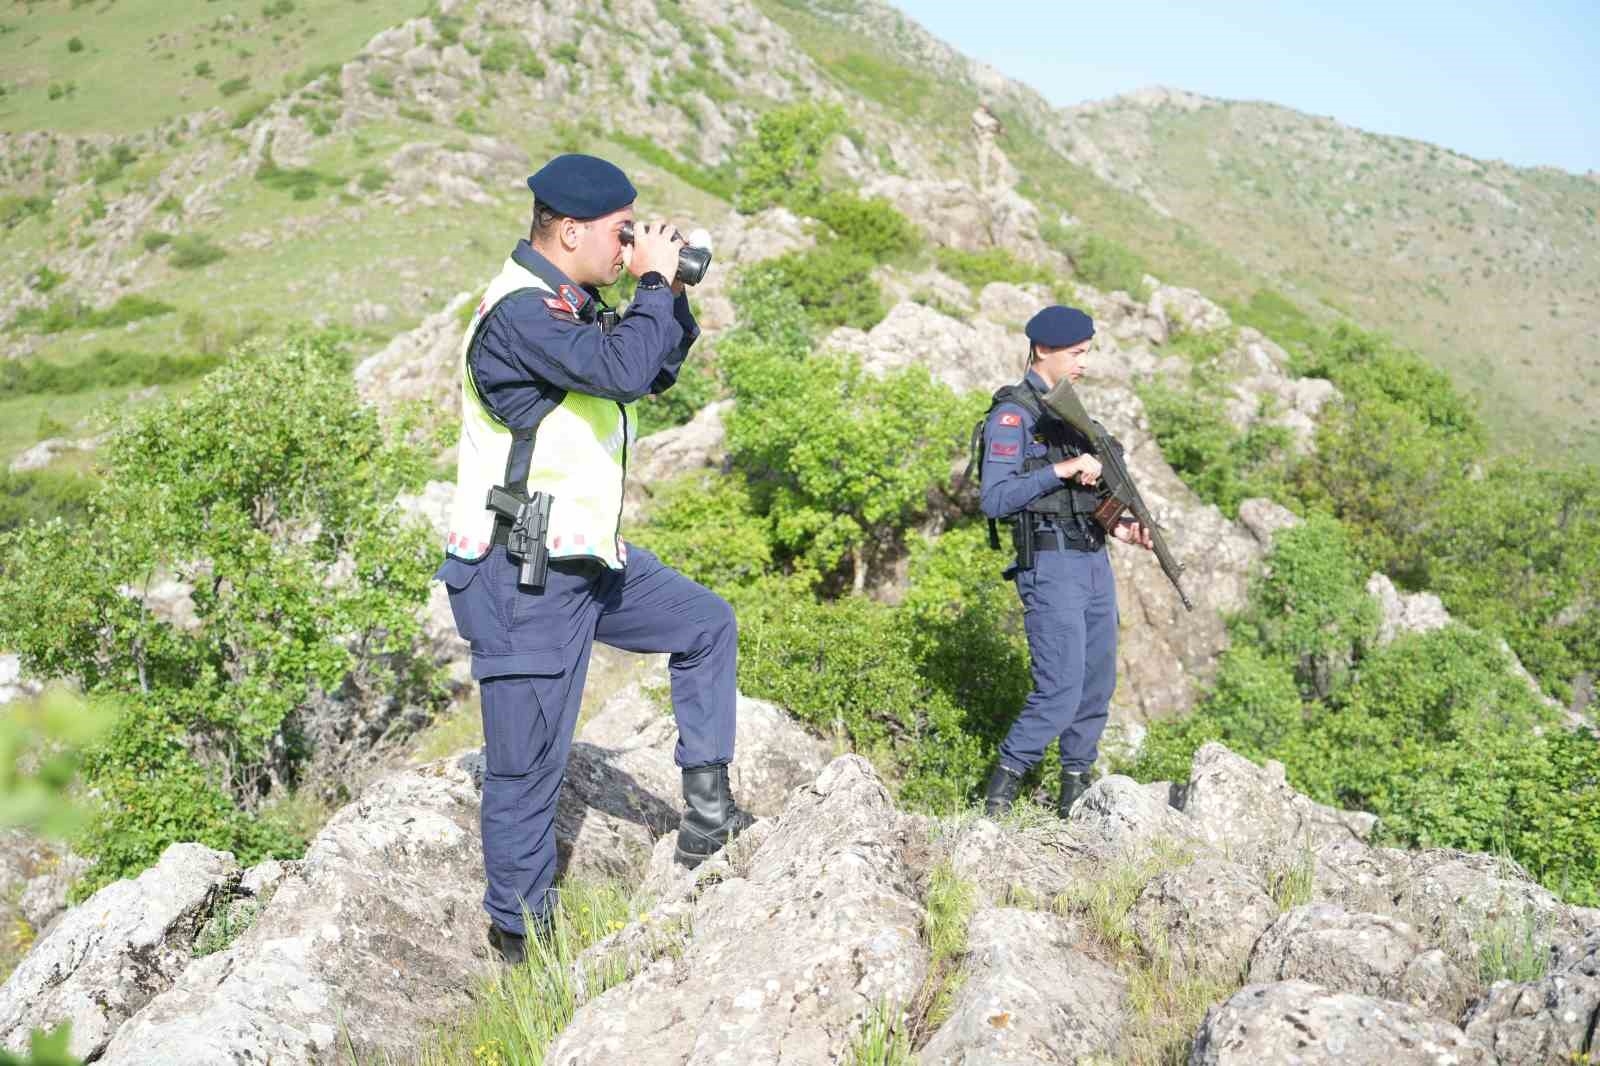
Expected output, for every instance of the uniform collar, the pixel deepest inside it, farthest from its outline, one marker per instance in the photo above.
(534, 262)
(1032, 378)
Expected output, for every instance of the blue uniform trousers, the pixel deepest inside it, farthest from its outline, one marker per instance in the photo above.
(530, 654)
(1069, 603)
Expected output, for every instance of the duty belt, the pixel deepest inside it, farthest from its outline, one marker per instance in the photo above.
(1070, 539)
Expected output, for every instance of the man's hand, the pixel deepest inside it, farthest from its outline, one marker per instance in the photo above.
(1133, 533)
(655, 247)
(1084, 468)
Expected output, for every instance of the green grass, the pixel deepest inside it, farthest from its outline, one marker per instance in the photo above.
(519, 1014)
(883, 1040)
(157, 46)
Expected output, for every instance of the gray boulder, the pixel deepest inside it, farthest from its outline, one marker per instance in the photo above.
(336, 954)
(116, 951)
(1029, 996)
(1251, 812)
(1126, 815)
(784, 957)
(1204, 916)
(1370, 954)
(1302, 1023)
(1556, 1019)
(1463, 900)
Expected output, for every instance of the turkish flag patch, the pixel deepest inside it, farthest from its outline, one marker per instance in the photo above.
(1010, 420)
(559, 308)
(1003, 451)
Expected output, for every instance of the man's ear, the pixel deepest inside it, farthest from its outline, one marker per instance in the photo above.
(571, 233)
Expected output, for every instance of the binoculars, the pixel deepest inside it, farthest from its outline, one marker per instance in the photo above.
(692, 262)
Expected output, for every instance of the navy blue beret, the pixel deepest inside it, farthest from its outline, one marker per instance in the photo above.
(582, 186)
(1059, 327)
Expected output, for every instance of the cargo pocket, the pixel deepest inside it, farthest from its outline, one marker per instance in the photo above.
(473, 612)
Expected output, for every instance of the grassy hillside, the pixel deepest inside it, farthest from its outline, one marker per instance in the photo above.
(1490, 270)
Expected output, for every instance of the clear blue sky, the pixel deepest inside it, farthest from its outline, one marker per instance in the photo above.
(1494, 80)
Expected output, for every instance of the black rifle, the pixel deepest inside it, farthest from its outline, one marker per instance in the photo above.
(530, 520)
(1062, 402)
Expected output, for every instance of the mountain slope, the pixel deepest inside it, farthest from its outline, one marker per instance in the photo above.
(1492, 271)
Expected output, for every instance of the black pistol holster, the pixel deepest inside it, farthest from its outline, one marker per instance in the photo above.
(521, 525)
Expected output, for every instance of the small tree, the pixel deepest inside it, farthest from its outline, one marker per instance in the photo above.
(781, 164)
(267, 491)
(844, 458)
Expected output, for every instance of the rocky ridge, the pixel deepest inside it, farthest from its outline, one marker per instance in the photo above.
(1315, 944)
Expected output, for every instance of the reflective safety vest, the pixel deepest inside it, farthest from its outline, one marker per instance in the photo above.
(579, 456)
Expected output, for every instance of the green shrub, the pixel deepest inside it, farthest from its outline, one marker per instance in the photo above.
(696, 386)
(193, 251)
(381, 83)
(977, 269)
(67, 312)
(717, 182)
(844, 459)
(565, 53)
(74, 44)
(374, 179)
(831, 283)
(203, 488)
(105, 369)
(872, 227)
(15, 209)
(1100, 261)
(503, 53)
(44, 279)
(301, 183)
(781, 163)
(40, 495)
(709, 529)
(1434, 733)
(155, 241)
(1221, 464)
(250, 112)
(202, 69)
(234, 86)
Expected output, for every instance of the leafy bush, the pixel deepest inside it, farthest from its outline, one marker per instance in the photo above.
(696, 386)
(1222, 465)
(301, 183)
(250, 112)
(502, 54)
(844, 459)
(709, 528)
(872, 227)
(781, 163)
(1433, 733)
(193, 251)
(268, 492)
(68, 312)
(15, 209)
(831, 283)
(40, 495)
(234, 86)
(1098, 260)
(717, 182)
(103, 370)
(977, 269)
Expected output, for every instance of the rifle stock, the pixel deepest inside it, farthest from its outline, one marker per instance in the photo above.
(1063, 402)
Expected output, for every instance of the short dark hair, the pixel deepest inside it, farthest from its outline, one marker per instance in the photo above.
(544, 222)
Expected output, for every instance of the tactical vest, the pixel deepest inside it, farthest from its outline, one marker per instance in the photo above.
(578, 454)
(1061, 441)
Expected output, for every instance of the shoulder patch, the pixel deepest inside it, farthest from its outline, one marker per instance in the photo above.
(1009, 419)
(1002, 450)
(561, 309)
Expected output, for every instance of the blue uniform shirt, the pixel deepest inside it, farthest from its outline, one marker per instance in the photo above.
(531, 355)
(1007, 441)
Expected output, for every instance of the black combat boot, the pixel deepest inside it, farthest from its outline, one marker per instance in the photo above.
(1072, 787)
(513, 947)
(710, 817)
(1004, 784)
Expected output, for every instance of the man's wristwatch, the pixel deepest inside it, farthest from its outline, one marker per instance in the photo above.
(653, 279)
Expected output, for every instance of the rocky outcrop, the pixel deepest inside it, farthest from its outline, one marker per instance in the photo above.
(784, 946)
(1029, 995)
(1299, 1022)
(333, 955)
(115, 952)
(1369, 954)
(782, 960)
